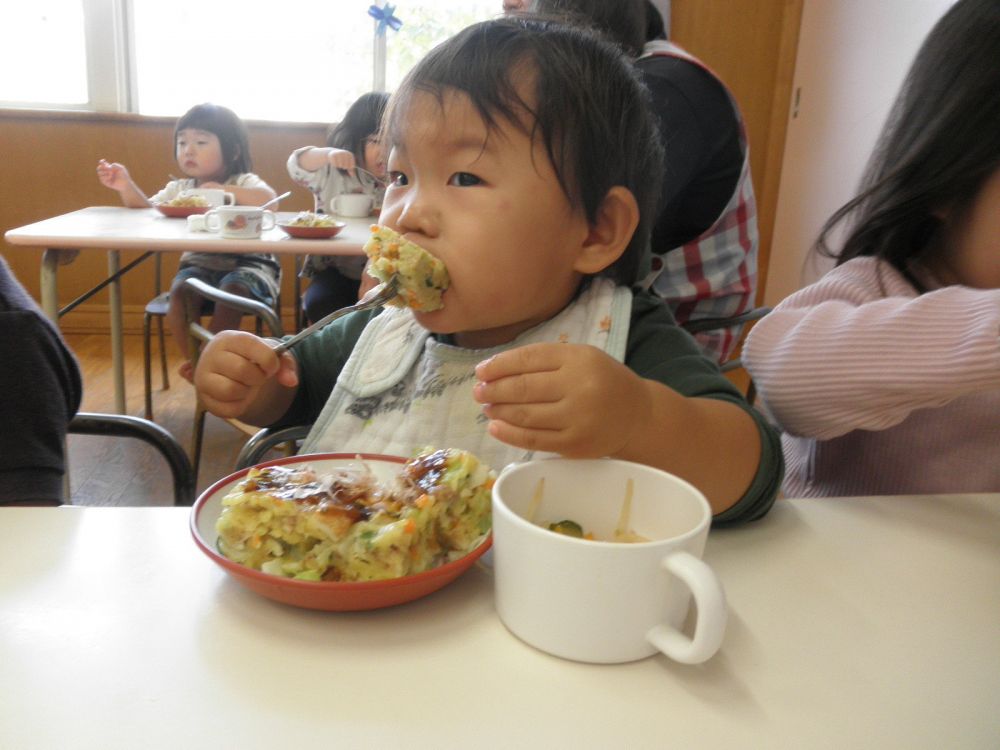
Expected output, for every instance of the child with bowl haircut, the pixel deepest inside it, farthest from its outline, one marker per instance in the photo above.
(212, 150)
(523, 155)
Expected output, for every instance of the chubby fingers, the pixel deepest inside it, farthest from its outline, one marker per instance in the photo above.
(523, 393)
(523, 359)
(234, 363)
(342, 159)
(528, 374)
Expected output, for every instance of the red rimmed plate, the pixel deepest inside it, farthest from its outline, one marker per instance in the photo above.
(312, 233)
(332, 596)
(181, 212)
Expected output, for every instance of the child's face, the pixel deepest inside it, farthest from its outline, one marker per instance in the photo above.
(374, 156)
(493, 210)
(973, 254)
(199, 155)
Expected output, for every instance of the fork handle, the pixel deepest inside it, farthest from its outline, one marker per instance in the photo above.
(376, 296)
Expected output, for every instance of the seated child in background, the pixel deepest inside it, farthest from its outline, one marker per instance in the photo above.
(329, 172)
(885, 374)
(212, 149)
(533, 185)
(40, 394)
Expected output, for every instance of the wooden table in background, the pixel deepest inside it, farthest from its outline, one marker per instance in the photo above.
(114, 228)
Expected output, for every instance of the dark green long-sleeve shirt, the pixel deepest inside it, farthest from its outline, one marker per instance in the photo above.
(658, 349)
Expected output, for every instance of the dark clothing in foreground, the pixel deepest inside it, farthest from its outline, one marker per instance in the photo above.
(40, 392)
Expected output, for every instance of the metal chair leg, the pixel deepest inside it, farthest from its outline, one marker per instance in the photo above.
(163, 353)
(146, 367)
(197, 436)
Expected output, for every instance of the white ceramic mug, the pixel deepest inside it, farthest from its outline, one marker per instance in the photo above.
(214, 197)
(239, 222)
(351, 204)
(600, 601)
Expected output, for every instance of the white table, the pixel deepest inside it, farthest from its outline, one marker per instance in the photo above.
(861, 623)
(115, 228)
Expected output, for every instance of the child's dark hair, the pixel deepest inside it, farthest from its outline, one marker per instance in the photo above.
(362, 120)
(227, 127)
(587, 109)
(937, 149)
(623, 21)
(655, 27)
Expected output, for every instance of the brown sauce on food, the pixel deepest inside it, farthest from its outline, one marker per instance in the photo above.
(426, 472)
(339, 498)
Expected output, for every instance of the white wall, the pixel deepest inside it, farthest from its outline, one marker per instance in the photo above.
(852, 58)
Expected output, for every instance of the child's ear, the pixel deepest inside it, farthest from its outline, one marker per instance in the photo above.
(612, 230)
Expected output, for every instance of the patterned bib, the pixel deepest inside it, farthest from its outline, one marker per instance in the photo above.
(402, 391)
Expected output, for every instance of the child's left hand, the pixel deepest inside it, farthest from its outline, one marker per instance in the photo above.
(570, 399)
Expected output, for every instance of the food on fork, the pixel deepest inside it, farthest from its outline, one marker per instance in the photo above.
(309, 219)
(348, 526)
(421, 277)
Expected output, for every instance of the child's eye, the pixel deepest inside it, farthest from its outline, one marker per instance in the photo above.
(397, 178)
(464, 179)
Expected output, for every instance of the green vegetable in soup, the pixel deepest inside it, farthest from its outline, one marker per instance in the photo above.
(567, 528)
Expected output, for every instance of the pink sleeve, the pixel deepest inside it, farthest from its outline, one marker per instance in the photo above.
(841, 355)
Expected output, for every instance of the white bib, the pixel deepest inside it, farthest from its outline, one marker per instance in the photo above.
(401, 391)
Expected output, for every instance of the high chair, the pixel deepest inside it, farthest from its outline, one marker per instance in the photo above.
(155, 308)
(128, 426)
(267, 320)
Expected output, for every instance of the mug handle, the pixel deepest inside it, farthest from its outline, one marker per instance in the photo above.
(710, 600)
(333, 205)
(228, 199)
(213, 222)
(264, 217)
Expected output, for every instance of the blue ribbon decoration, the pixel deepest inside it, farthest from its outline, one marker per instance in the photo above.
(385, 17)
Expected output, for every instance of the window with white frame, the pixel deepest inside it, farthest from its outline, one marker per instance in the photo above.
(294, 60)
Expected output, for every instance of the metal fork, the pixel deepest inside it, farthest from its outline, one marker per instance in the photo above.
(380, 180)
(375, 297)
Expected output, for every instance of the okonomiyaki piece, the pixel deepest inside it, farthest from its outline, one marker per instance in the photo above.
(458, 477)
(421, 277)
(347, 526)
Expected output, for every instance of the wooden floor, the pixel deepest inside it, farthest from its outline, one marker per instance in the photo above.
(121, 471)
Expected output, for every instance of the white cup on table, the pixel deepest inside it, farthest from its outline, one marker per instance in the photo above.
(239, 222)
(603, 601)
(352, 204)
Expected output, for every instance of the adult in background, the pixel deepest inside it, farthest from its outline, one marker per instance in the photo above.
(40, 391)
(704, 241)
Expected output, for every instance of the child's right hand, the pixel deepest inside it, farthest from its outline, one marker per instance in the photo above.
(113, 175)
(342, 159)
(239, 374)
